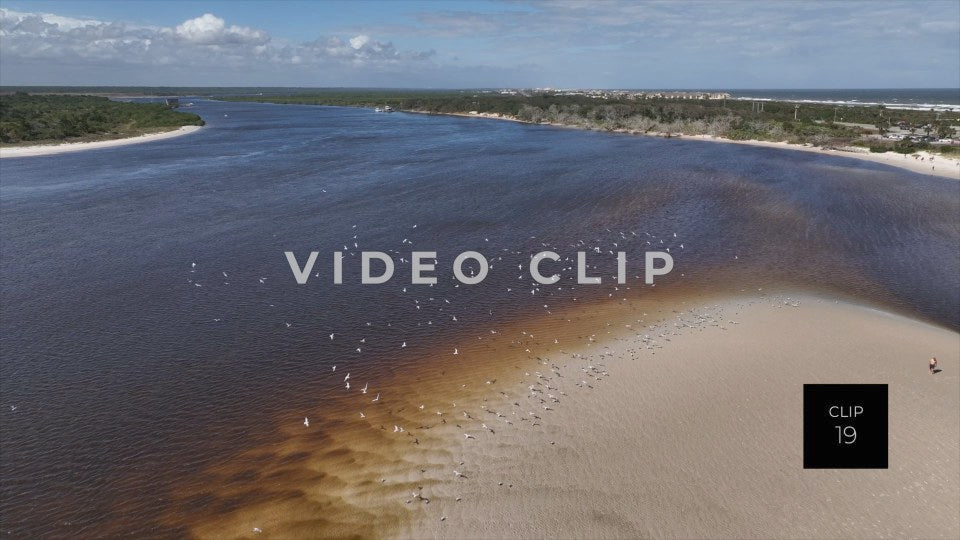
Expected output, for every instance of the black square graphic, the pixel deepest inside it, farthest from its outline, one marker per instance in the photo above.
(844, 426)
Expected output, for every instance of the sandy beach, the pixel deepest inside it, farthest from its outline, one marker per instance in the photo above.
(51, 149)
(696, 431)
(922, 162)
(679, 418)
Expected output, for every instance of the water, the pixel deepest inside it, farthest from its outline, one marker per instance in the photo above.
(135, 389)
(904, 98)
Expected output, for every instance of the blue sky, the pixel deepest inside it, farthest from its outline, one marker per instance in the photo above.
(447, 44)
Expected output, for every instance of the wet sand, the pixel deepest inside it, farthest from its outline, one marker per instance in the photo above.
(686, 423)
(51, 149)
(703, 437)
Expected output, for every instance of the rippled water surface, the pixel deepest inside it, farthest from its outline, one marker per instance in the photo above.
(126, 370)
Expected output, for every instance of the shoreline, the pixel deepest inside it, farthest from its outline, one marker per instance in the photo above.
(691, 426)
(924, 163)
(61, 148)
(661, 417)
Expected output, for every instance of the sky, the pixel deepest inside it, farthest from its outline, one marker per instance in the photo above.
(447, 44)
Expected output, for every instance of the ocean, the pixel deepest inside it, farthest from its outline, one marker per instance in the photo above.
(906, 98)
(153, 332)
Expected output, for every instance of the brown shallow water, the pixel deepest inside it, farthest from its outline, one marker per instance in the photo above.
(350, 476)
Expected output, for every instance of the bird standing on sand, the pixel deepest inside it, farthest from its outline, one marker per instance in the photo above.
(306, 421)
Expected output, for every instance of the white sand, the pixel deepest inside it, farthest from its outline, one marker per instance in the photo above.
(50, 149)
(698, 433)
(921, 162)
(688, 424)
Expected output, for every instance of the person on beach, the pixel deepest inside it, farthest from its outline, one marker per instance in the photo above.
(933, 364)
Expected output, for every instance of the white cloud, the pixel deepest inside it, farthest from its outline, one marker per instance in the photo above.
(359, 41)
(208, 29)
(63, 23)
(29, 40)
(570, 43)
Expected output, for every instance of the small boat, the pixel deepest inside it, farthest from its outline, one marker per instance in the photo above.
(388, 109)
(378, 109)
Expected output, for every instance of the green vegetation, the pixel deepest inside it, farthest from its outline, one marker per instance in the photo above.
(161, 91)
(31, 119)
(818, 124)
(909, 147)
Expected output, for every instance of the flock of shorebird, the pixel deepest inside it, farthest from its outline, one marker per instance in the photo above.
(538, 393)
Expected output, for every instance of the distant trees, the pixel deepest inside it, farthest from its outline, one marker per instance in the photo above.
(882, 122)
(29, 118)
(944, 130)
(725, 118)
(529, 113)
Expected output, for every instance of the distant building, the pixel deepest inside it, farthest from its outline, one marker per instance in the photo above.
(619, 94)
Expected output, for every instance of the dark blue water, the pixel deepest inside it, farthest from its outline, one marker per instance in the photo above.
(120, 376)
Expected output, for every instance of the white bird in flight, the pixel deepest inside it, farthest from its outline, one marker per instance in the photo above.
(306, 421)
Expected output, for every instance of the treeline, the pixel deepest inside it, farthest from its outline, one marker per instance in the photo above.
(164, 91)
(820, 124)
(40, 118)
